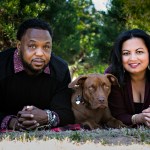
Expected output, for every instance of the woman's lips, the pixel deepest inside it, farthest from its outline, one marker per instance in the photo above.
(134, 65)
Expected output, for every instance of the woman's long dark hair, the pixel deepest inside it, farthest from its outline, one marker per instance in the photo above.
(116, 54)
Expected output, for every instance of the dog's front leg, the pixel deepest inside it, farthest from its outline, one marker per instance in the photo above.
(91, 124)
(114, 123)
(111, 121)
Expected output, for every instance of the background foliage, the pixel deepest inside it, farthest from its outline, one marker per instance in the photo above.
(83, 36)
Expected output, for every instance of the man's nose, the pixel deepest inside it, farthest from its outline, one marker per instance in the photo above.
(39, 51)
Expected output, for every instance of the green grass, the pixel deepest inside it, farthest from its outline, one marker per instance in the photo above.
(105, 137)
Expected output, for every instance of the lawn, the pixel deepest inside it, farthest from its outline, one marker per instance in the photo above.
(112, 139)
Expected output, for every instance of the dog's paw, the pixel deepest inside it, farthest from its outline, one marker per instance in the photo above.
(85, 126)
(119, 124)
(114, 123)
(91, 126)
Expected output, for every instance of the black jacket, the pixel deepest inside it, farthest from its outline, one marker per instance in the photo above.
(43, 91)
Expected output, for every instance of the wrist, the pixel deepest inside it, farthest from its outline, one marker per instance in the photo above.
(133, 119)
(6, 122)
(49, 117)
(137, 118)
(13, 123)
(52, 118)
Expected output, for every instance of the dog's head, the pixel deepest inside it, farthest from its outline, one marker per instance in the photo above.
(95, 88)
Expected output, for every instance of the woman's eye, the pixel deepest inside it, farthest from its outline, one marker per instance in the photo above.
(125, 53)
(139, 52)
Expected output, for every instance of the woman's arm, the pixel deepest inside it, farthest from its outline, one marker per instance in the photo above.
(118, 106)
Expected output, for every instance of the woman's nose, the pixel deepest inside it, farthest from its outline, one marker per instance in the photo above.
(133, 57)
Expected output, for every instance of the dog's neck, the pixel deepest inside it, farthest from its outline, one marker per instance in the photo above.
(80, 98)
(81, 101)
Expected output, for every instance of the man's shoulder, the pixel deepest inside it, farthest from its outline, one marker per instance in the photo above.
(58, 67)
(58, 63)
(58, 60)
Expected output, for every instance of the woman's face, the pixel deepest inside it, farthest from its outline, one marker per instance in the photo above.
(135, 56)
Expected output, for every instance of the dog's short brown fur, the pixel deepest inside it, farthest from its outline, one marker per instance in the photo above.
(90, 100)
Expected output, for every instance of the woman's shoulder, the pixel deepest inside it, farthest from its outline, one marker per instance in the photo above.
(108, 69)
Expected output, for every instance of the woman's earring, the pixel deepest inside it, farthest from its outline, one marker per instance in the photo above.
(148, 67)
(124, 70)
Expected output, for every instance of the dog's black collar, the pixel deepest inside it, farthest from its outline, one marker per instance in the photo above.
(79, 99)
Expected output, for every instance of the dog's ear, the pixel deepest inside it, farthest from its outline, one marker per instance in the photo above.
(78, 81)
(112, 79)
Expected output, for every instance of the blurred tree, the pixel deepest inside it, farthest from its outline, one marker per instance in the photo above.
(63, 19)
(12, 12)
(121, 15)
(74, 29)
(138, 14)
(82, 35)
(112, 22)
(74, 23)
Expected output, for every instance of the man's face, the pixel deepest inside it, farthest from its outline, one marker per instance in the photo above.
(35, 50)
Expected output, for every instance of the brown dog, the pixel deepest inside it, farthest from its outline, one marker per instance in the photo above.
(90, 100)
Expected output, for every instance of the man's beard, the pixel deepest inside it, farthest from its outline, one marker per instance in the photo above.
(29, 67)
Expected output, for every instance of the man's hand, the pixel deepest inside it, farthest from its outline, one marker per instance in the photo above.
(13, 124)
(31, 117)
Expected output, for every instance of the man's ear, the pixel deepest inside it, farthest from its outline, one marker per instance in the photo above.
(18, 47)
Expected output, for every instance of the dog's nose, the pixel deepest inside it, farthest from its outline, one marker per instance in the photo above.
(101, 99)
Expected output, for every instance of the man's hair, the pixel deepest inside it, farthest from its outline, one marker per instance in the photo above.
(34, 24)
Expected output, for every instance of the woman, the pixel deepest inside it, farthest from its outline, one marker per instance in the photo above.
(130, 57)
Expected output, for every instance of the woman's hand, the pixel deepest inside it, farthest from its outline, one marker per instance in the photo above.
(146, 115)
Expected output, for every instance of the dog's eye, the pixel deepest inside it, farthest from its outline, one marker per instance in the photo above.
(106, 87)
(91, 88)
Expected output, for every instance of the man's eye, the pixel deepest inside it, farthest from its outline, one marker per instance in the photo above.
(32, 46)
(47, 47)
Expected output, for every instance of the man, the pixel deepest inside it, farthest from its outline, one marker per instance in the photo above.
(34, 82)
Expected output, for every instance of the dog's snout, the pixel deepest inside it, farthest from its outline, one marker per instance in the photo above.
(101, 99)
